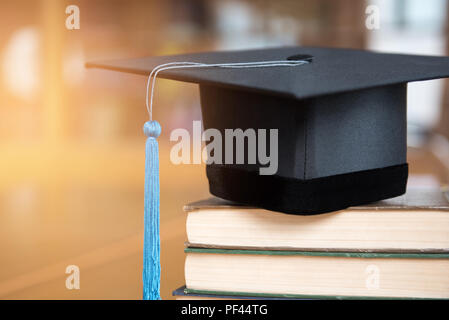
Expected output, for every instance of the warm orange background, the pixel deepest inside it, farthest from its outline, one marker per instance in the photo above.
(71, 141)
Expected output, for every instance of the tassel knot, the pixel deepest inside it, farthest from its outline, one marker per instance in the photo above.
(152, 129)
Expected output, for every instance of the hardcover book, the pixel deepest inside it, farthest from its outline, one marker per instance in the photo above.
(415, 222)
(299, 274)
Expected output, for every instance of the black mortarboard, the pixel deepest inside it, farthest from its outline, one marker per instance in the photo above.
(341, 121)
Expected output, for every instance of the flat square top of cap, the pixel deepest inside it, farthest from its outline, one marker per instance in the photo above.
(330, 71)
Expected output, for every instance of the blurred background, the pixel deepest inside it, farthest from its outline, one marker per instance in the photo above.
(71, 141)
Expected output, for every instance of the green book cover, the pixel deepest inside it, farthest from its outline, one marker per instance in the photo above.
(368, 255)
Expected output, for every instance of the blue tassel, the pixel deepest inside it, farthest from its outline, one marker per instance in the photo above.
(151, 246)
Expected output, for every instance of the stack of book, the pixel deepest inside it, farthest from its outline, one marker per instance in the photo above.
(396, 248)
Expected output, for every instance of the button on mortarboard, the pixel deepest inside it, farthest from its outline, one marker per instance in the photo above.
(341, 120)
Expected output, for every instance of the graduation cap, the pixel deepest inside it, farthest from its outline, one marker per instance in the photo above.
(341, 121)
